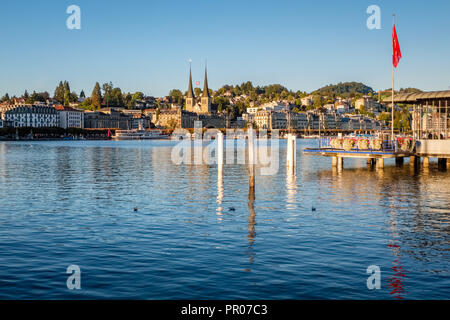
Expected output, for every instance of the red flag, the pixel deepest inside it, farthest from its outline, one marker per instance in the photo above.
(397, 54)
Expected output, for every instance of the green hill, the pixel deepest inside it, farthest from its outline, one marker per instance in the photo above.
(345, 89)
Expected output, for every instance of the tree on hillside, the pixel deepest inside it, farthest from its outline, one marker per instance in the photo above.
(138, 96)
(221, 103)
(96, 96)
(177, 96)
(59, 92)
(66, 87)
(344, 90)
(6, 98)
(116, 97)
(317, 102)
(63, 94)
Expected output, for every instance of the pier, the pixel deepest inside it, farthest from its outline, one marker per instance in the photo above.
(430, 136)
(373, 154)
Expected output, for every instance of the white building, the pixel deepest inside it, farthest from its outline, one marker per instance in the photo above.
(342, 108)
(271, 120)
(330, 107)
(69, 117)
(32, 116)
(307, 101)
(270, 106)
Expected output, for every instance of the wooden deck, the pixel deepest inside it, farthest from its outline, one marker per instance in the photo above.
(368, 154)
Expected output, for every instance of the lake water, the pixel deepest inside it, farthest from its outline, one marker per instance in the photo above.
(72, 203)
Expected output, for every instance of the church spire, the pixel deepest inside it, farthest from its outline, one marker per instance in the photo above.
(190, 92)
(205, 87)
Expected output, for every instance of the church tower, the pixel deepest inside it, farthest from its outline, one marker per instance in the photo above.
(206, 99)
(190, 97)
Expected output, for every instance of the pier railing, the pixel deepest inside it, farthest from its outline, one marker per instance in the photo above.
(383, 146)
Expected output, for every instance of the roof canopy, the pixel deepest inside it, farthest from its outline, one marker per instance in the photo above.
(413, 98)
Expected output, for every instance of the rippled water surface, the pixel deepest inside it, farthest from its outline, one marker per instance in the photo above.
(68, 202)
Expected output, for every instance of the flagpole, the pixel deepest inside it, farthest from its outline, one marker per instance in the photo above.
(392, 125)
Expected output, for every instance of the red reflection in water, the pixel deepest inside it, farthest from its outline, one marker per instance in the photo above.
(399, 275)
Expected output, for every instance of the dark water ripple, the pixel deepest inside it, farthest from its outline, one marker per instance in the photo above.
(64, 203)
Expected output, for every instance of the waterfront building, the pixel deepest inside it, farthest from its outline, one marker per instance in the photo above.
(239, 123)
(344, 123)
(140, 121)
(267, 119)
(170, 118)
(107, 118)
(313, 120)
(70, 117)
(32, 116)
(430, 124)
(299, 120)
(328, 121)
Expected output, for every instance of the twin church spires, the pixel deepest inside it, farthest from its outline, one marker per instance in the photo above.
(202, 106)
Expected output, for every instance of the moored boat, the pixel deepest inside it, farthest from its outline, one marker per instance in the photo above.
(139, 134)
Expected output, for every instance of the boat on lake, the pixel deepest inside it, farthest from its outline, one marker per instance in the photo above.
(139, 134)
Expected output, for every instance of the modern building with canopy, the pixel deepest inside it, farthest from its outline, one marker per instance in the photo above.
(430, 122)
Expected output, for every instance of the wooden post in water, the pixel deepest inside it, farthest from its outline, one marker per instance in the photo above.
(442, 164)
(334, 162)
(380, 163)
(426, 162)
(251, 159)
(414, 161)
(340, 163)
(220, 158)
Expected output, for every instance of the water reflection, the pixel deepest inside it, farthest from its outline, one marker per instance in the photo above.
(251, 225)
(291, 190)
(396, 281)
(184, 242)
(416, 202)
(219, 192)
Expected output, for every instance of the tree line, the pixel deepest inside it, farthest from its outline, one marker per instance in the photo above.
(105, 95)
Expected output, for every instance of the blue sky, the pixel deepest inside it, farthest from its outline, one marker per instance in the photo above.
(146, 45)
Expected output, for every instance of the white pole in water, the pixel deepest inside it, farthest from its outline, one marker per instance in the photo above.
(220, 150)
(291, 154)
(294, 150)
(289, 151)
